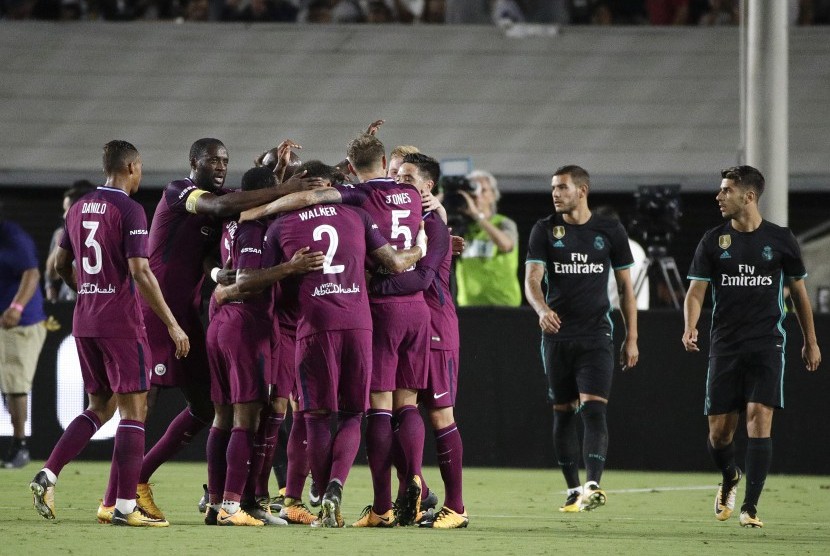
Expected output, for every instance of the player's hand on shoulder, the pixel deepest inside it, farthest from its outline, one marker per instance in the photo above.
(429, 202)
(181, 340)
(811, 356)
(421, 239)
(304, 183)
(690, 339)
(549, 322)
(305, 261)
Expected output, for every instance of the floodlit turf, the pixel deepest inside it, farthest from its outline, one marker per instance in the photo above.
(512, 512)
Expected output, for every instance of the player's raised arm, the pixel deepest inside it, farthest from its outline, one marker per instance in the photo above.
(810, 353)
(692, 306)
(150, 291)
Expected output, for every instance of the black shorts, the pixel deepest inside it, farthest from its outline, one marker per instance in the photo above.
(732, 381)
(577, 367)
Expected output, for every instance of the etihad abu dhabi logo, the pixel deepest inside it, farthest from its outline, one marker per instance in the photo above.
(725, 241)
(559, 232)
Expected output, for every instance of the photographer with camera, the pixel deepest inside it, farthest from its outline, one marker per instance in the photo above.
(487, 272)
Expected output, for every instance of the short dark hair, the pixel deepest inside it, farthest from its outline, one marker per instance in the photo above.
(258, 177)
(365, 151)
(78, 190)
(117, 155)
(199, 147)
(578, 174)
(317, 169)
(427, 165)
(746, 177)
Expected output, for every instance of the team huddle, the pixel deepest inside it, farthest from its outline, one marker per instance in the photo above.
(334, 305)
(332, 298)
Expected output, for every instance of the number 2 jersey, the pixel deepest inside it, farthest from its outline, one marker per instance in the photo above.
(747, 271)
(334, 298)
(577, 261)
(103, 230)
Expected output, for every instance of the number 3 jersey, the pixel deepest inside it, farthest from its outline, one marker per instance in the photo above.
(747, 271)
(103, 230)
(396, 209)
(335, 297)
(577, 261)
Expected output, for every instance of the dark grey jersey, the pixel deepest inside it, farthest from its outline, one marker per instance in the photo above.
(747, 271)
(577, 261)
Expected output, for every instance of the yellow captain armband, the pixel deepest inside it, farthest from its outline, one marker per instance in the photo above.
(190, 204)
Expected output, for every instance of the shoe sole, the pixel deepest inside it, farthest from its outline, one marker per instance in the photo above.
(117, 522)
(329, 513)
(460, 526)
(594, 501)
(229, 523)
(40, 506)
(413, 499)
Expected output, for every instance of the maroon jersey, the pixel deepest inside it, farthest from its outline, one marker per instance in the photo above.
(396, 209)
(432, 275)
(228, 233)
(179, 241)
(104, 229)
(334, 298)
(246, 252)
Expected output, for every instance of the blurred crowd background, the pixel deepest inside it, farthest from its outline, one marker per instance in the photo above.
(478, 12)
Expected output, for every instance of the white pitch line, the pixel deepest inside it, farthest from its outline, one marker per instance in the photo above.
(662, 489)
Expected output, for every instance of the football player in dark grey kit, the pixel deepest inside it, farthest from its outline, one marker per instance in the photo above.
(748, 260)
(573, 251)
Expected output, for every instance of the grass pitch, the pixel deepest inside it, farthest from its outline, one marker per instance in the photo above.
(512, 512)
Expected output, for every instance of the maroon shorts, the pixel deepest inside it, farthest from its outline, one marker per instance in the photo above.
(117, 365)
(167, 370)
(283, 379)
(333, 370)
(443, 379)
(239, 350)
(400, 346)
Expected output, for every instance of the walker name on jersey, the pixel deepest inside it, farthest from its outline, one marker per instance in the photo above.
(330, 288)
(745, 278)
(87, 288)
(579, 265)
(398, 199)
(94, 208)
(317, 212)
